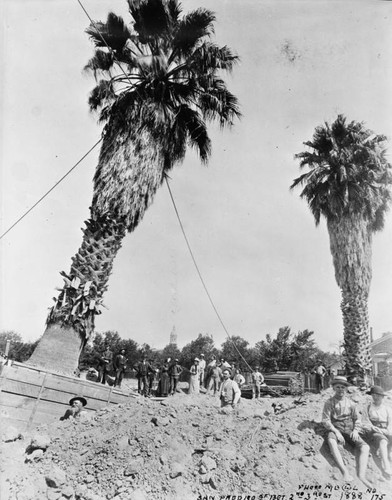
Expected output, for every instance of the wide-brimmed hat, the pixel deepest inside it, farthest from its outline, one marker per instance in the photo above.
(196, 359)
(339, 379)
(202, 355)
(376, 389)
(78, 398)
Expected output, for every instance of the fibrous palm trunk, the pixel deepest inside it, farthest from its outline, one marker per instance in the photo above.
(354, 307)
(350, 242)
(71, 320)
(129, 172)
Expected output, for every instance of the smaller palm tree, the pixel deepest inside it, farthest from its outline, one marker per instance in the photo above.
(348, 183)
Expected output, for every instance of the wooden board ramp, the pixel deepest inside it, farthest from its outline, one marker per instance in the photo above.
(30, 396)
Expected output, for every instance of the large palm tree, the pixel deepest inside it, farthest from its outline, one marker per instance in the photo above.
(348, 182)
(157, 85)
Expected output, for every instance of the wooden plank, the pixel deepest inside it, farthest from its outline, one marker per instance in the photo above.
(39, 396)
(36, 402)
(4, 375)
(58, 396)
(15, 400)
(23, 375)
(34, 375)
(21, 382)
(22, 388)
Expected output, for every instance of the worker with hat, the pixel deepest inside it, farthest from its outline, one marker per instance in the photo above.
(194, 381)
(378, 427)
(342, 421)
(76, 411)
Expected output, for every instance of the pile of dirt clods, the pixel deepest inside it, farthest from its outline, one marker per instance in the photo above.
(185, 447)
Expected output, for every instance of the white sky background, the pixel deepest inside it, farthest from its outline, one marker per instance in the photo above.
(263, 260)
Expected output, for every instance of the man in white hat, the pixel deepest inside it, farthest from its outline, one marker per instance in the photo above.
(342, 420)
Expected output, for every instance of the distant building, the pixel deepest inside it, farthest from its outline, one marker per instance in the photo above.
(337, 368)
(381, 352)
(173, 337)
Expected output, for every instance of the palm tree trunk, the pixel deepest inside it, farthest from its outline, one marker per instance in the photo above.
(71, 320)
(357, 357)
(129, 172)
(350, 243)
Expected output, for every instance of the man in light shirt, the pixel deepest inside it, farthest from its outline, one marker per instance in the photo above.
(341, 419)
(229, 393)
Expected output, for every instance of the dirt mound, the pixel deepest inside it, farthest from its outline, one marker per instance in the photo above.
(184, 447)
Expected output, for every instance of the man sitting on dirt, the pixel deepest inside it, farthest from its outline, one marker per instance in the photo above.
(342, 421)
(76, 411)
(229, 393)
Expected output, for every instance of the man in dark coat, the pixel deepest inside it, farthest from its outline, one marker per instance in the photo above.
(119, 366)
(106, 364)
(174, 373)
(143, 370)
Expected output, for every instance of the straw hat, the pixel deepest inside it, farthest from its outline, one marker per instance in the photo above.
(339, 379)
(376, 389)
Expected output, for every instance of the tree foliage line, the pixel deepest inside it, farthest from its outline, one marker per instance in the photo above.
(285, 351)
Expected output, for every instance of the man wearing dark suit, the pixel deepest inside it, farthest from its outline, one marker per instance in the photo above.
(142, 372)
(119, 365)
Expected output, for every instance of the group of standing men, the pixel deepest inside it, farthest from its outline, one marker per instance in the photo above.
(166, 378)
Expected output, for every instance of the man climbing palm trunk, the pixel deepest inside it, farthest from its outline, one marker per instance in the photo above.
(349, 183)
(157, 86)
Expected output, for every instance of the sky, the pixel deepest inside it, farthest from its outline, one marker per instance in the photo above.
(264, 262)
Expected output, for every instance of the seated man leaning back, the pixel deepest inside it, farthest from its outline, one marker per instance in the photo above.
(342, 420)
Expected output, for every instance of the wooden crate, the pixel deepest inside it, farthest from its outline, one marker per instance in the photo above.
(30, 396)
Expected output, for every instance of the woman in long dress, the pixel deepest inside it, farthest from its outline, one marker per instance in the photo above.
(194, 381)
(165, 379)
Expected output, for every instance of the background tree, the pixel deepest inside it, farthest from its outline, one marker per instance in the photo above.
(348, 183)
(231, 348)
(170, 351)
(18, 350)
(158, 84)
(204, 344)
(304, 351)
